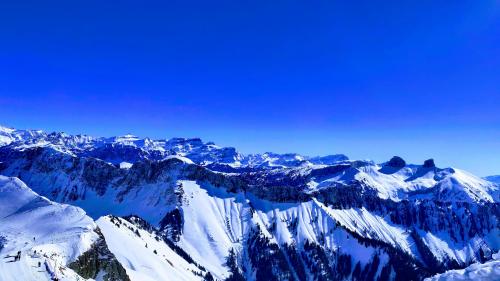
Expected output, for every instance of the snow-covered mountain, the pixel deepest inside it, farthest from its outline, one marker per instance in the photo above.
(46, 237)
(130, 149)
(145, 254)
(190, 210)
(60, 241)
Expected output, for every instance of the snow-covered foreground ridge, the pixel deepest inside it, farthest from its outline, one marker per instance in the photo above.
(189, 210)
(43, 240)
(40, 238)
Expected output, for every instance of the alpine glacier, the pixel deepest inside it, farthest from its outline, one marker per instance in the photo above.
(130, 208)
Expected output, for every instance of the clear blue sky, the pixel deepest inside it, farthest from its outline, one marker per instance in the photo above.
(370, 79)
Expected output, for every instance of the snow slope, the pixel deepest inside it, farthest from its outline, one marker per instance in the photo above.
(217, 221)
(144, 255)
(214, 224)
(414, 181)
(28, 222)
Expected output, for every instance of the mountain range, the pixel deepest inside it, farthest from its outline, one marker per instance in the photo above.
(78, 207)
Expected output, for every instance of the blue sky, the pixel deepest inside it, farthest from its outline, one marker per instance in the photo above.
(367, 79)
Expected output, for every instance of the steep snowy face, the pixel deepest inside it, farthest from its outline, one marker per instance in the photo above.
(42, 232)
(212, 224)
(145, 254)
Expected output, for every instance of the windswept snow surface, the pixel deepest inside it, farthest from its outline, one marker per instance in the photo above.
(28, 222)
(214, 224)
(488, 271)
(135, 250)
(370, 226)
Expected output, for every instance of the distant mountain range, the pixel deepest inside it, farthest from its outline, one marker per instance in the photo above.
(129, 208)
(129, 148)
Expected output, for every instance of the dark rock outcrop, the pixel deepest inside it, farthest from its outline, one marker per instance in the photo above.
(396, 162)
(429, 163)
(99, 259)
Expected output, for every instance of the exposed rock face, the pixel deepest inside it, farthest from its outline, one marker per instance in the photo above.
(429, 163)
(396, 162)
(2, 241)
(97, 260)
(172, 224)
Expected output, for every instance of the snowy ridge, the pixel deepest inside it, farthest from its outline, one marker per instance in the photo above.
(217, 218)
(130, 148)
(214, 225)
(371, 226)
(219, 222)
(415, 182)
(28, 223)
(145, 255)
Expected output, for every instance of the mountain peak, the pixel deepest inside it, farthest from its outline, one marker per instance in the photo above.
(4, 129)
(429, 163)
(396, 162)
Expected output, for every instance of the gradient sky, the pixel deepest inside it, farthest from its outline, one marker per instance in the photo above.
(370, 80)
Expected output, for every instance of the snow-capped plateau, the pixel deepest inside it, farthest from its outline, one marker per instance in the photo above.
(183, 209)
